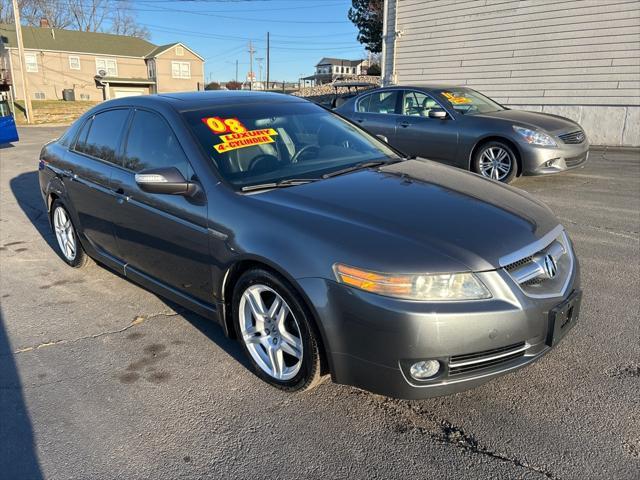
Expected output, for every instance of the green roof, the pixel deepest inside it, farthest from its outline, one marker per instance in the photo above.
(158, 50)
(77, 41)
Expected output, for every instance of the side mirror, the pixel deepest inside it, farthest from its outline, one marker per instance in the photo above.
(438, 113)
(383, 138)
(165, 181)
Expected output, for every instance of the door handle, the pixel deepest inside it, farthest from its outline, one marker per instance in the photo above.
(405, 124)
(359, 120)
(121, 197)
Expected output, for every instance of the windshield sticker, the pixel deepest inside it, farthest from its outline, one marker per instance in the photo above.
(224, 125)
(248, 138)
(455, 99)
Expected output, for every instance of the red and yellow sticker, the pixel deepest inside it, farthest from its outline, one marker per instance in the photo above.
(237, 136)
(457, 100)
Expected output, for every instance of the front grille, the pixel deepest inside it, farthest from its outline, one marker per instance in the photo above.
(547, 272)
(459, 364)
(573, 137)
(573, 161)
(518, 263)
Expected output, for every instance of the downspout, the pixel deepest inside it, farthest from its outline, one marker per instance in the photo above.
(385, 17)
(389, 75)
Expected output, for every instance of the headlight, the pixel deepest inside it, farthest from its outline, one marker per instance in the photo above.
(429, 287)
(535, 137)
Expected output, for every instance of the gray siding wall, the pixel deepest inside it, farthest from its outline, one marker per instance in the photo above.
(576, 58)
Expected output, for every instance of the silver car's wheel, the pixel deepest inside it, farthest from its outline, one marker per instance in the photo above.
(496, 163)
(65, 234)
(270, 332)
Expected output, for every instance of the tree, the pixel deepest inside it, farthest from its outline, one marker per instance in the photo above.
(233, 85)
(374, 69)
(109, 16)
(212, 86)
(367, 16)
(124, 23)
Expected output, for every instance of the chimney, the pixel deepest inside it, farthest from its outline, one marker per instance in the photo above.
(44, 23)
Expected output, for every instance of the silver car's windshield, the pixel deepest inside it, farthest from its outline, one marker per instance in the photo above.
(260, 143)
(470, 102)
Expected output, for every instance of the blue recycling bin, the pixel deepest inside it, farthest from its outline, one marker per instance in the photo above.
(8, 130)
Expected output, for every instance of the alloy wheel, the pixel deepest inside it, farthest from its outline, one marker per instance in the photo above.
(65, 233)
(271, 332)
(495, 162)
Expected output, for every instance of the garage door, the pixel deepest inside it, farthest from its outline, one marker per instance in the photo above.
(128, 92)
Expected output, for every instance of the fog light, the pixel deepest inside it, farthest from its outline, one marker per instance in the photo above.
(549, 163)
(425, 369)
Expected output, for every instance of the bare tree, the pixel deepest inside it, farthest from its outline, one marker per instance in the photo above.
(33, 11)
(112, 16)
(124, 23)
(88, 15)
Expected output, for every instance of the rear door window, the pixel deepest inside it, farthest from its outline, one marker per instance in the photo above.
(379, 102)
(152, 144)
(104, 133)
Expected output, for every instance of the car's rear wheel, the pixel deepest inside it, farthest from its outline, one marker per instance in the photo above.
(69, 247)
(275, 331)
(497, 161)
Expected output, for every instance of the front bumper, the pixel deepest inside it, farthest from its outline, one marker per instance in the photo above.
(372, 340)
(542, 160)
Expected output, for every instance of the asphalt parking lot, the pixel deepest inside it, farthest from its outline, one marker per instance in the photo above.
(101, 379)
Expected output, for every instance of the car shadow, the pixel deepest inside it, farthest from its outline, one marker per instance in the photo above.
(18, 455)
(6, 145)
(26, 190)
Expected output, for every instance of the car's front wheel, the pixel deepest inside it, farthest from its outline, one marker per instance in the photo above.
(275, 331)
(69, 246)
(497, 161)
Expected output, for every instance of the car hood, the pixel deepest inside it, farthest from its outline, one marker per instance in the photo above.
(545, 121)
(414, 216)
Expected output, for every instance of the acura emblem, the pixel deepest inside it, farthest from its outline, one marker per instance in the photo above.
(549, 265)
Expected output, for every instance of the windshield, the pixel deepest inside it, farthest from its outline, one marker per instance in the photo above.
(271, 142)
(470, 102)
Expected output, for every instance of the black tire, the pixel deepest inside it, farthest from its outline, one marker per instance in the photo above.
(309, 374)
(495, 146)
(80, 259)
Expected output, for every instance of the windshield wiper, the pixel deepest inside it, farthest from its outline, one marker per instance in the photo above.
(289, 182)
(360, 166)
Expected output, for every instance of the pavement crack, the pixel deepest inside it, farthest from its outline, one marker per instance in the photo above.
(139, 319)
(620, 233)
(413, 418)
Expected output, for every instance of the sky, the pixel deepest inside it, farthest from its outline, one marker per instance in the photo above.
(302, 32)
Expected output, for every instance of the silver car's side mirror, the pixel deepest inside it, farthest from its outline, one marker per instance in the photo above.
(438, 113)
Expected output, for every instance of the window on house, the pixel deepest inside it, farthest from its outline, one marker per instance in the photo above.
(31, 61)
(151, 69)
(109, 65)
(39, 95)
(74, 62)
(179, 51)
(85, 96)
(180, 69)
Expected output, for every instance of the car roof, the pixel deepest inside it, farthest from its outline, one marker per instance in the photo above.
(427, 87)
(213, 98)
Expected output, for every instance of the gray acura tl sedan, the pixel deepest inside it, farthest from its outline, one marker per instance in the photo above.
(316, 245)
(462, 127)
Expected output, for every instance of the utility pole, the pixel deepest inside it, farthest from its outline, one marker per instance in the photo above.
(236, 70)
(267, 60)
(259, 60)
(25, 85)
(251, 52)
